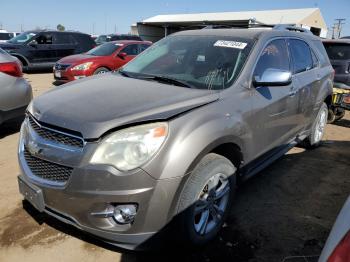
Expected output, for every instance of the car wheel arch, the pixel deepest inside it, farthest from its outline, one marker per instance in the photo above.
(228, 147)
(23, 60)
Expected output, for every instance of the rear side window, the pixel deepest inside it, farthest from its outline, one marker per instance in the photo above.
(274, 56)
(44, 39)
(324, 60)
(301, 56)
(64, 38)
(143, 47)
(131, 49)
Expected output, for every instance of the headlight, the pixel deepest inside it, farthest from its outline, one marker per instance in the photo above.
(83, 66)
(130, 148)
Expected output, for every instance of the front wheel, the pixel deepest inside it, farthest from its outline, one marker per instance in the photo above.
(206, 199)
(101, 70)
(317, 129)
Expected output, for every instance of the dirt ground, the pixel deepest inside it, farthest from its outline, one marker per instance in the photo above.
(281, 214)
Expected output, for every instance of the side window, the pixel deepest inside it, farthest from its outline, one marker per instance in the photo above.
(274, 56)
(143, 47)
(64, 39)
(301, 56)
(131, 49)
(44, 39)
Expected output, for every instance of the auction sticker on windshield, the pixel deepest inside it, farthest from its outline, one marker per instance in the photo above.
(230, 44)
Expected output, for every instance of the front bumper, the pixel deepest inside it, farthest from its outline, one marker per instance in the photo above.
(93, 188)
(65, 76)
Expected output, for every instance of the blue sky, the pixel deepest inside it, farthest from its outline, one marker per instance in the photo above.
(104, 16)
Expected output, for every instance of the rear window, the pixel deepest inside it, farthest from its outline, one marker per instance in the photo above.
(105, 49)
(5, 36)
(337, 51)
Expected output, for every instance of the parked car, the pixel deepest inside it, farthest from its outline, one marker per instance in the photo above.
(15, 92)
(165, 140)
(337, 247)
(339, 54)
(4, 36)
(41, 49)
(114, 37)
(104, 58)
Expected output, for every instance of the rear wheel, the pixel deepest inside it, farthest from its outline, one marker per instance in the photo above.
(318, 128)
(206, 199)
(101, 70)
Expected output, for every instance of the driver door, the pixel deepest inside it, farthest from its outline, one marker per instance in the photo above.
(275, 108)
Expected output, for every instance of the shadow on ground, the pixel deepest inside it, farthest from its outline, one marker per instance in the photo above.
(284, 212)
(10, 127)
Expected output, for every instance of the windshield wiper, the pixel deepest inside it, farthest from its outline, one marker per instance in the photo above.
(166, 79)
(123, 73)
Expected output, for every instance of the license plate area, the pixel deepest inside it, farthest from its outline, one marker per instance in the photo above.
(31, 193)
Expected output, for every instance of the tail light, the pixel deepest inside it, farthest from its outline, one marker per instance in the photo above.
(11, 68)
(342, 252)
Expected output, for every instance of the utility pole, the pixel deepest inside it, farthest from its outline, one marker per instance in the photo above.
(339, 25)
(333, 30)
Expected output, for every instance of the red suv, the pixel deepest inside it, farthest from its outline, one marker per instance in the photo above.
(101, 59)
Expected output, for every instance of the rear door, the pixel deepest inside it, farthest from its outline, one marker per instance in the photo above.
(65, 45)
(275, 108)
(306, 79)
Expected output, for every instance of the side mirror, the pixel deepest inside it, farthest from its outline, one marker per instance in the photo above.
(273, 77)
(33, 43)
(122, 55)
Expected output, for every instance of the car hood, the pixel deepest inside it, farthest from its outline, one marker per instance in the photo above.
(95, 105)
(73, 59)
(7, 46)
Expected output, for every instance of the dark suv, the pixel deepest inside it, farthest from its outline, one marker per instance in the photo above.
(339, 53)
(41, 49)
(165, 141)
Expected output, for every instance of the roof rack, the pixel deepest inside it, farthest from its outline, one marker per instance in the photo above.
(256, 24)
(291, 28)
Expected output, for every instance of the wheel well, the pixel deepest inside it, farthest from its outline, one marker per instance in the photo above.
(231, 151)
(23, 61)
(328, 100)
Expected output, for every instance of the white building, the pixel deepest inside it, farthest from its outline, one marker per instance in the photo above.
(158, 26)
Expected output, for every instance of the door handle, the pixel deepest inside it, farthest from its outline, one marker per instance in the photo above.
(292, 93)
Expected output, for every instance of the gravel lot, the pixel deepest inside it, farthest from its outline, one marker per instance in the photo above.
(285, 211)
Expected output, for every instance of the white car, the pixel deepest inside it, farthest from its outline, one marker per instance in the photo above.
(5, 36)
(337, 247)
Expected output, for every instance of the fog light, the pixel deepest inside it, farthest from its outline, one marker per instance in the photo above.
(124, 214)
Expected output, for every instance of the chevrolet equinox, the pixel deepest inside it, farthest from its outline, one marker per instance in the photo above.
(170, 135)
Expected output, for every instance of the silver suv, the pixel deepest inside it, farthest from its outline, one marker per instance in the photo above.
(169, 137)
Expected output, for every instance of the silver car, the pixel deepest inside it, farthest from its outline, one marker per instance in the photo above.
(166, 140)
(337, 248)
(15, 91)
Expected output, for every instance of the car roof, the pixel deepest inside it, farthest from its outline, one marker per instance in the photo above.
(337, 41)
(55, 31)
(252, 33)
(130, 42)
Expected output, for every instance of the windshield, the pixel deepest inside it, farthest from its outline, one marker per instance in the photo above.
(203, 62)
(104, 49)
(338, 51)
(101, 39)
(24, 37)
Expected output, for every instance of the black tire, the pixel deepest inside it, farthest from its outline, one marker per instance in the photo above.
(210, 166)
(340, 114)
(331, 116)
(313, 141)
(101, 70)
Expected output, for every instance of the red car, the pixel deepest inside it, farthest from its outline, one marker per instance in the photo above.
(101, 59)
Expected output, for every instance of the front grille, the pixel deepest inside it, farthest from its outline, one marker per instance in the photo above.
(47, 170)
(57, 137)
(61, 66)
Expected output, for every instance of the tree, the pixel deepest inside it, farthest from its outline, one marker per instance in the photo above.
(60, 27)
